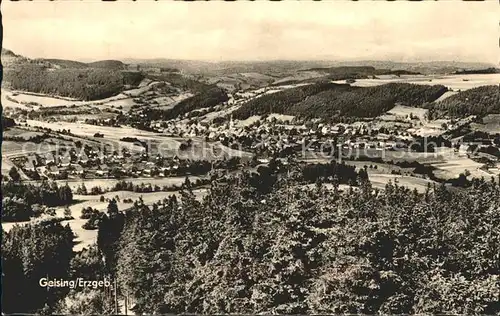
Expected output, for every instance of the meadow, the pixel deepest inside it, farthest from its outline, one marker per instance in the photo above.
(107, 184)
(455, 82)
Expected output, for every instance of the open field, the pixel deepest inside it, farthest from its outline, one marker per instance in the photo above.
(212, 115)
(88, 130)
(280, 117)
(426, 131)
(109, 183)
(430, 128)
(168, 102)
(9, 147)
(386, 155)
(455, 82)
(300, 76)
(45, 101)
(15, 148)
(240, 81)
(247, 122)
(22, 99)
(401, 110)
(491, 124)
(377, 168)
(452, 168)
(380, 180)
(142, 89)
(124, 99)
(166, 146)
(125, 104)
(20, 132)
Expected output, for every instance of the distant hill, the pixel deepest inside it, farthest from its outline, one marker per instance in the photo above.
(6, 52)
(358, 72)
(337, 101)
(429, 67)
(104, 64)
(275, 67)
(62, 63)
(477, 101)
(9, 58)
(108, 64)
(67, 78)
(80, 83)
(486, 71)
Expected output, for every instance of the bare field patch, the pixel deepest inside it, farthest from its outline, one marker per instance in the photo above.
(125, 104)
(404, 111)
(300, 76)
(280, 117)
(380, 180)
(20, 132)
(491, 124)
(212, 115)
(454, 165)
(455, 82)
(43, 100)
(110, 183)
(9, 147)
(82, 129)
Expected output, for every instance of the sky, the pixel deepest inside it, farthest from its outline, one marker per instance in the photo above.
(260, 30)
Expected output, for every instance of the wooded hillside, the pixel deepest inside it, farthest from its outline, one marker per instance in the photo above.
(204, 99)
(79, 83)
(330, 101)
(477, 101)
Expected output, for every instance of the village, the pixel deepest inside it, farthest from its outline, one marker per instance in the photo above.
(399, 131)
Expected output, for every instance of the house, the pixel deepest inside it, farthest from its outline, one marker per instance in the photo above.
(139, 168)
(65, 161)
(33, 160)
(127, 167)
(390, 145)
(41, 170)
(102, 170)
(77, 169)
(53, 170)
(464, 148)
(49, 159)
(83, 158)
(149, 167)
(29, 166)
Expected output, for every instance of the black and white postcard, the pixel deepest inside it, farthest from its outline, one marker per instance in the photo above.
(250, 157)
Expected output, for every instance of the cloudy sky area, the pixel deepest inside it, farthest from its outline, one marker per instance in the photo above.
(337, 30)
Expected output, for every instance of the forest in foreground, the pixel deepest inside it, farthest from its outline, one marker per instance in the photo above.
(265, 243)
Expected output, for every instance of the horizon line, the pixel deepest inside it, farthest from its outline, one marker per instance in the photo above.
(264, 60)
